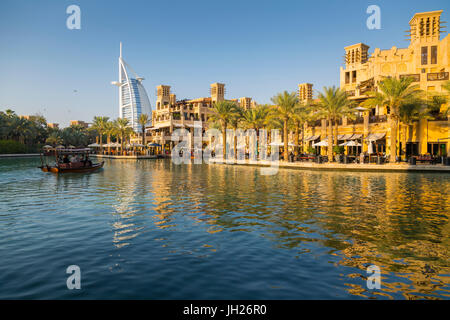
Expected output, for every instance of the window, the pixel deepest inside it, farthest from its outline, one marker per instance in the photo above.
(354, 76)
(437, 148)
(424, 55)
(412, 149)
(347, 77)
(433, 54)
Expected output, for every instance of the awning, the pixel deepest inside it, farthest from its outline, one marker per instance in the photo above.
(356, 136)
(322, 143)
(312, 138)
(345, 136)
(375, 136)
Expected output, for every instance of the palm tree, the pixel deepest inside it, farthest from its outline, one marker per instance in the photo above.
(333, 104)
(407, 114)
(235, 121)
(284, 109)
(394, 93)
(224, 113)
(99, 124)
(143, 121)
(110, 130)
(301, 115)
(446, 87)
(54, 139)
(122, 126)
(256, 118)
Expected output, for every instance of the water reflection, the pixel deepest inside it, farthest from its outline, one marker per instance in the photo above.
(399, 222)
(228, 222)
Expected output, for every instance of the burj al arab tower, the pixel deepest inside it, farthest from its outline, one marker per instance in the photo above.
(133, 99)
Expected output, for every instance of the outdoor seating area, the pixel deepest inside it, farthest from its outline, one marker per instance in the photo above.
(132, 150)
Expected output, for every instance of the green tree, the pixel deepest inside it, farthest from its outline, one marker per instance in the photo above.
(394, 93)
(143, 121)
(99, 124)
(285, 104)
(123, 128)
(333, 105)
(224, 113)
(302, 113)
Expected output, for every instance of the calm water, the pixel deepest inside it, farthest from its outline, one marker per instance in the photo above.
(154, 230)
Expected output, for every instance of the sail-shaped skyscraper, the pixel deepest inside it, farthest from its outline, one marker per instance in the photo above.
(133, 99)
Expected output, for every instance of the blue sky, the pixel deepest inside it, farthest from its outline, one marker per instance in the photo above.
(257, 48)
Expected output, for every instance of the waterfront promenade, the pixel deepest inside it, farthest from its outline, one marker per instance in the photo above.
(131, 157)
(397, 167)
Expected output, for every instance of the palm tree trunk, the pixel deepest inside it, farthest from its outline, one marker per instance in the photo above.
(297, 134)
(330, 140)
(285, 138)
(393, 147)
(335, 133)
(121, 143)
(143, 135)
(224, 141)
(235, 144)
(108, 141)
(303, 139)
(404, 141)
(100, 136)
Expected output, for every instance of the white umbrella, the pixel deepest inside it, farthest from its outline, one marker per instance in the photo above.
(273, 144)
(60, 147)
(360, 109)
(353, 143)
(47, 147)
(322, 143)
(94, 145)
(370, 150)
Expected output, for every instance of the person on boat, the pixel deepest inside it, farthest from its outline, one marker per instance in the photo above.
(66, 159)
(87, 161)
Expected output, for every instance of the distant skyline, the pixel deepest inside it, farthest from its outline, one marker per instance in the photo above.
(257, 48)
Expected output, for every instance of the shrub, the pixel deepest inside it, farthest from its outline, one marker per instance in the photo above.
(11, 146)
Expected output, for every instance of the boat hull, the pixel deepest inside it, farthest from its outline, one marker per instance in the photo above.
(92, 168)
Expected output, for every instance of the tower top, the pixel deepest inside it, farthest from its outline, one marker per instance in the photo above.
(120, 55)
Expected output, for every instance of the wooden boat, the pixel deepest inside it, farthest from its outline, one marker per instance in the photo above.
(70, 167)
(66, 169)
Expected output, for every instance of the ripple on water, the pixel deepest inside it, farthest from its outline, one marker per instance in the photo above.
(150, 229)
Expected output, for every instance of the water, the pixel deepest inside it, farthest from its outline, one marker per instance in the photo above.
(153, 230)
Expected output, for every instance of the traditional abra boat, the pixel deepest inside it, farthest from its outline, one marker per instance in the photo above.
(64, 165)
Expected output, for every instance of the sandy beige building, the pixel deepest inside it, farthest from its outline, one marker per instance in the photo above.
(426, 59)
(171, 113)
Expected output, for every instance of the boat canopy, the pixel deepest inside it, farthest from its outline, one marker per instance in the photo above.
(73, 151)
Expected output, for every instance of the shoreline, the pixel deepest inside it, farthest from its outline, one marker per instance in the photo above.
(340, 167)
(19, 155)
(124, 157)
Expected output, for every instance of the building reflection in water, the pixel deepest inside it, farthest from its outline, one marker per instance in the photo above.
(397, 221)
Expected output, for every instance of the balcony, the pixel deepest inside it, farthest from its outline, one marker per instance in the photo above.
(415, 76)
(351, 93)
(437, 76)
(378, 119)
(358, 120)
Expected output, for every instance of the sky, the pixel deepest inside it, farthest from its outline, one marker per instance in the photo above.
(257, 48)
